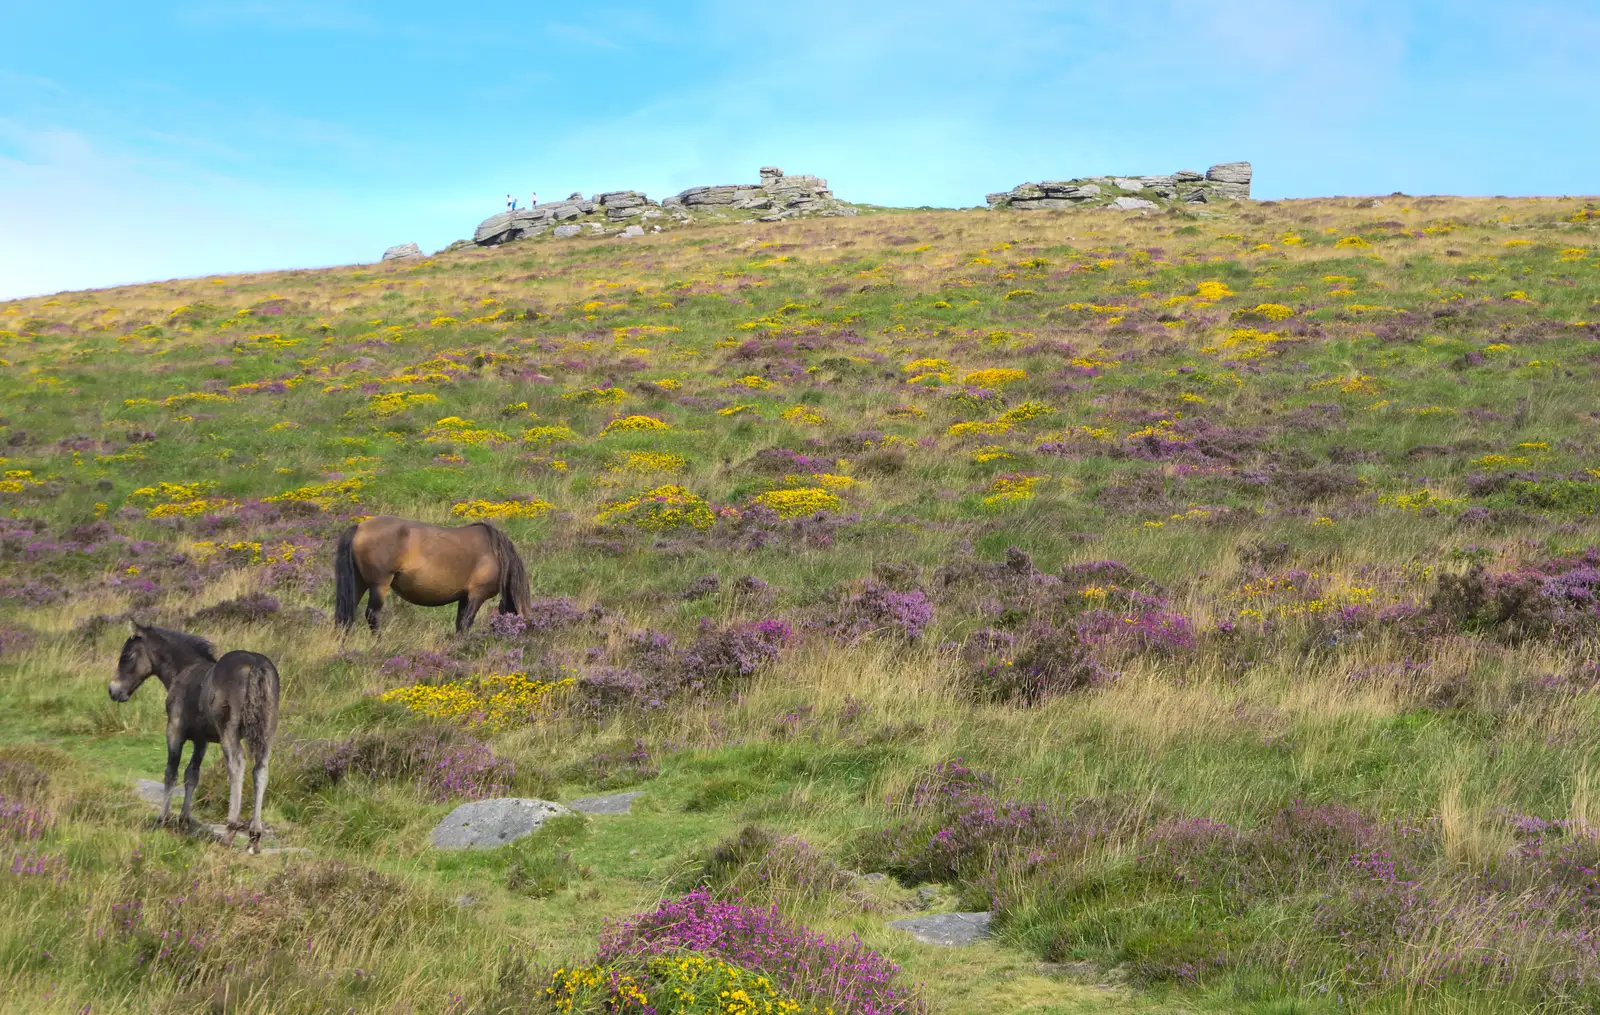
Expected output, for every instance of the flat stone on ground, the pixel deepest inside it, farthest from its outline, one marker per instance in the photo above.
(613, 803)
(485, 824)
(949, 929)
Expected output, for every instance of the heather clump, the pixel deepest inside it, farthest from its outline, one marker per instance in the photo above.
(958, 827)
(250, 608)
(1030, 666)
(841, 974)
(444, 762)
(544, 616)
(1554, 599)
(875, 608)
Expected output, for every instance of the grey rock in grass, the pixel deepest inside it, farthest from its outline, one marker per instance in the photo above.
(1126, 203)
(402, 251)
(611, 803)
(485, 824)
(632, 231)
(570, 229)
(949, 929)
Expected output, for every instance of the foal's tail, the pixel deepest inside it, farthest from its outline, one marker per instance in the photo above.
(345, 579)
(514, 594)
(258, 720)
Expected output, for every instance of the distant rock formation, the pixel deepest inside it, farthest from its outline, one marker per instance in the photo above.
(1229, 181)
(402, 251)
(616, 212)
(779, 195)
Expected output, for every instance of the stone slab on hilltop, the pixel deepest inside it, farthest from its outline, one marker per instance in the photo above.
(402, 251)
(1227, 181)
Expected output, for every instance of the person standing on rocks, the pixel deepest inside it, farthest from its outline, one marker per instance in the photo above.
(533, 199)
(511, 203)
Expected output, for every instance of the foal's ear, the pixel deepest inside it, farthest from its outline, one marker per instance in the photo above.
(138, 628)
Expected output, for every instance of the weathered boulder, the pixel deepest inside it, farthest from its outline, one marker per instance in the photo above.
(570, 229)
(401, 251)
(1126, 203)
(513, 225)
(1230, 172)
(485, 824)
(949, 929)
(632, 231)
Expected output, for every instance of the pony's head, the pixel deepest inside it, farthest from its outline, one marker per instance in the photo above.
(137, 663)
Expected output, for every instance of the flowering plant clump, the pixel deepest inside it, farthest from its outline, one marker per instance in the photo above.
(545, 436)
(322, 495)
(635, 424)
(494, 702)
(446, 763)
(455, 430)
(723, 656)
(165, 500)
(596, 396)
(875, 607)
(392, 403)
(685, 984)
(804, 501)
(1011, 488)
(1024, 412)
(803, 415)
(660, 510)
(844, 976)
(995, 377)
(647, 462)
(481, 510)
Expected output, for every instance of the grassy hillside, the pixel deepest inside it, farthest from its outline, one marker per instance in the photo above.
(1212, 597)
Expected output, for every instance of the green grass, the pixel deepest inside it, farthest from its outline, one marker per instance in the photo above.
(1284, 486)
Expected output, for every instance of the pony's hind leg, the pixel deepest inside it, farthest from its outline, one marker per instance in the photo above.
(233, 753)
(467, 610)
(259, 778)
(191, 779)
(376, 595)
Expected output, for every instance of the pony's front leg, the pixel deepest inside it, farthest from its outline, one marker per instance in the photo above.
(170, 779)
(191, 779)
(233, 753)
(259, 778)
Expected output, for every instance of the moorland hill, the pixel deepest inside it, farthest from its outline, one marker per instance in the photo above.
(1208, 595)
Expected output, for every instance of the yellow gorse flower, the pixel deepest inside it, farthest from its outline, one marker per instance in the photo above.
(496, 702)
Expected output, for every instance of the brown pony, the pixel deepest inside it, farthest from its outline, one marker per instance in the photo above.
(426, 565)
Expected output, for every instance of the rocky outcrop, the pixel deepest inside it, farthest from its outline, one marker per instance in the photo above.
(402, 251)
(1229, 181)
(779, 195)
(623, 212)
(524, 222)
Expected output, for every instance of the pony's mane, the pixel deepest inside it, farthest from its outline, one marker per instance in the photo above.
(179, 640)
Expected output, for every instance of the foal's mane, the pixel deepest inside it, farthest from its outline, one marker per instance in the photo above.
(182, 642)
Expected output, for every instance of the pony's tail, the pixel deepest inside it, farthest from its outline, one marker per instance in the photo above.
(514, 594)
(345, 578)
(259, 719)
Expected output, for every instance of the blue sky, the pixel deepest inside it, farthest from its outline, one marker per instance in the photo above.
(150, 140)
